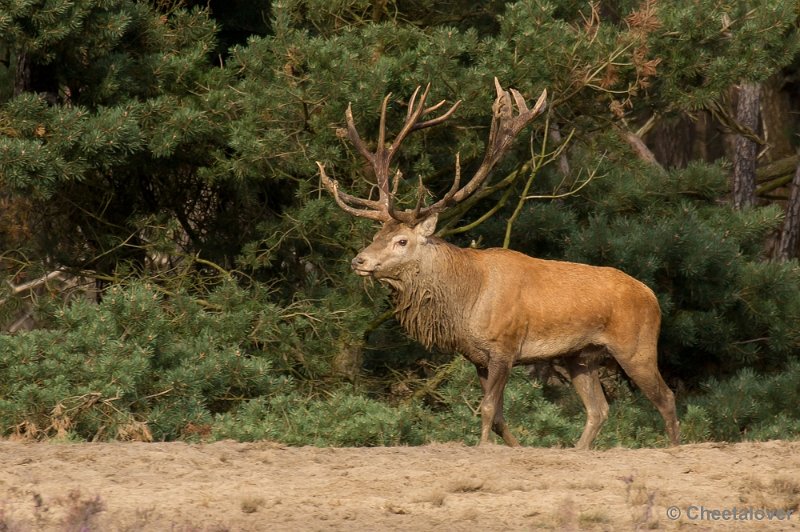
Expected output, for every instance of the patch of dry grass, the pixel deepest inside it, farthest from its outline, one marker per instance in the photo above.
(465, 485)
(780, 493)
(251, 505)
(593, 518)
(437, 496)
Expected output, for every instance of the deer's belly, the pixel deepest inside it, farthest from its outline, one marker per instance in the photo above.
(535, 349)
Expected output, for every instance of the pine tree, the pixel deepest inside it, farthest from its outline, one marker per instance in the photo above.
(155, 140)
(117, 125)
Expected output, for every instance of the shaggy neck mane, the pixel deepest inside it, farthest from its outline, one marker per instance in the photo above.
(431, 297)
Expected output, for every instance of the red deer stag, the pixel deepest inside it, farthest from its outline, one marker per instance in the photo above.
(497, 307)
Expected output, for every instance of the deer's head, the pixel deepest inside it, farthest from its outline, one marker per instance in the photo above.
(406, 233)
(396, 248)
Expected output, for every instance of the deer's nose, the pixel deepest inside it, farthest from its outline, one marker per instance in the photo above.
(357, 261)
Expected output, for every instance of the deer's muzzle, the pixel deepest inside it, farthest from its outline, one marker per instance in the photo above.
(360, 266)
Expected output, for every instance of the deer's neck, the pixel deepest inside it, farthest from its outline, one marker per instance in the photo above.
(432, 298)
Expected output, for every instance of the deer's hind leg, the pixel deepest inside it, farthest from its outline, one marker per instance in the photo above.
(582, 370)
(643, 370)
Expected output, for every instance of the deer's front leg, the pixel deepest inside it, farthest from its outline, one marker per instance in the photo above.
(493, 379)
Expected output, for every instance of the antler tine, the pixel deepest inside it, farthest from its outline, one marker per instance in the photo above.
(434, 107)
(445, 202)
(390, 205)
(354, 137)
(421, 191)
(390, 208)
(382, 125)
(373, 210)
(520, 101)
(411, 217)
(438, 119)
(412, 116)
(540, 103)
(411, 101)
(333, 187)
(397, 177)
(381, 158)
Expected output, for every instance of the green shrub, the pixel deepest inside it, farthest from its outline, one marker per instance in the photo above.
(753, 406)
(343, 418)
(141, 359)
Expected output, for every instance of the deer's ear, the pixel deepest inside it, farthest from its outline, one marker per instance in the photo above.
(427, 226)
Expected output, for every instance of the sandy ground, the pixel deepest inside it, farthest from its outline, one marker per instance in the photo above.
(265, 486)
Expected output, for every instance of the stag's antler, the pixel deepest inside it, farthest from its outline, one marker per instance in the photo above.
(382, 209)
(505, 127)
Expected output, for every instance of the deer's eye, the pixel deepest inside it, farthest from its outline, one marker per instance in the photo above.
(402, 242)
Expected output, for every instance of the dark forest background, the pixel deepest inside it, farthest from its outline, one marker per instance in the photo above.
(172, 269)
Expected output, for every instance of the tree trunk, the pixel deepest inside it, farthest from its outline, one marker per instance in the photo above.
(22, 73)
(790, 232)
(670, 141)
(777, 118)
(744, 161)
